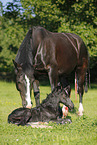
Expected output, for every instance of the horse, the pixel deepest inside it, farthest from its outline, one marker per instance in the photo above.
(57, 53)
(47, 111)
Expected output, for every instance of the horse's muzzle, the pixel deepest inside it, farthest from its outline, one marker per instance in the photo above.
(29, 106)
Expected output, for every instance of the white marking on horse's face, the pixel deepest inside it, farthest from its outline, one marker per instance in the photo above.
(80, 113)
(28, 99)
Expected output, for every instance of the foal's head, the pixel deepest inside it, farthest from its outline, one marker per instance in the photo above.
(66, 101)
(62, 98)
(24, 80)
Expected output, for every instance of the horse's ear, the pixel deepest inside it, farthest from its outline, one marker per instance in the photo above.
(17, 66)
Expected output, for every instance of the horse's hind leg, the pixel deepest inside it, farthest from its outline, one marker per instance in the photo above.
(53, 76)
(81, 71)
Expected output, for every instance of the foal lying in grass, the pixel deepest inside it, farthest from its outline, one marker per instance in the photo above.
(47, 111)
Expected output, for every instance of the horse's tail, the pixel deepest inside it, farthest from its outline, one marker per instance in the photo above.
(86, 81)
(76, 85)
(86, 78)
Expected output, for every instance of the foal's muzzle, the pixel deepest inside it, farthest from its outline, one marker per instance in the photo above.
(69, 103)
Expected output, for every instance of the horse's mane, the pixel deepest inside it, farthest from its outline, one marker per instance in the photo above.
(26, 39)
(24, 54)
(25, 51)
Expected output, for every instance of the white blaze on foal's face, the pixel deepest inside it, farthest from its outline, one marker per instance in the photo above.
(28, 99)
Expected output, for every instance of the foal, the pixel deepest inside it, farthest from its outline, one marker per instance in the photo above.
(47, 111)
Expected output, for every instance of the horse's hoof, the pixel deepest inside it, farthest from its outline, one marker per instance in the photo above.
(80, 114)
(29, 106)
(80, 111)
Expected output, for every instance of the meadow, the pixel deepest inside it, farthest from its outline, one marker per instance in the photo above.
(82, 130)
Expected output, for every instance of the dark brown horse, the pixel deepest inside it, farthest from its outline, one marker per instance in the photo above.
(58, 53)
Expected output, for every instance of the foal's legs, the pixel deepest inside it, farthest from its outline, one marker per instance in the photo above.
(36, 92)
(81, 71)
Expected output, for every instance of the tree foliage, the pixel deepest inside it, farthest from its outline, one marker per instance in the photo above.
(75, 16)
(82, 20)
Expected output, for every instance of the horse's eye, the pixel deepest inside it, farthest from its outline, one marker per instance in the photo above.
(20, 78)
(19, 82)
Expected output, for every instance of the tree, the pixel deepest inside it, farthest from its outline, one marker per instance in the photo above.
(75, 16)
(82, 20)
(11, 36)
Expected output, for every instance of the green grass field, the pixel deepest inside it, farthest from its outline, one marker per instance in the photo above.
(82, 131)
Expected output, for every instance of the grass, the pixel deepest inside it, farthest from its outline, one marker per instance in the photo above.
(82, 131)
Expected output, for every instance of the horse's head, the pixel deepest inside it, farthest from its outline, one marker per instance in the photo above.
(24, 79)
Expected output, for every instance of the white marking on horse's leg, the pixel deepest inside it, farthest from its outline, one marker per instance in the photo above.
(28, 99)
(80, 113)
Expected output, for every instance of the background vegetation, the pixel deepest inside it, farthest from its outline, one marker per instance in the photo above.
(82, 131)
(75, 16)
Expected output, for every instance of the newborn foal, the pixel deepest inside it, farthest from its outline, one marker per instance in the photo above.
(47, 111)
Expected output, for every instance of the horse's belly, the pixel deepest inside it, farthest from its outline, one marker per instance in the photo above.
(66, 57)
(65, 71)
(66, 65)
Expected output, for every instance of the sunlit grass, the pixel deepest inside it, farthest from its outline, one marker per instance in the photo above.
(82, 131)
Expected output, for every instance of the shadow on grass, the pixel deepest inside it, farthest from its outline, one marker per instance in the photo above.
(94, 86)
(44, 82)
(74, 111)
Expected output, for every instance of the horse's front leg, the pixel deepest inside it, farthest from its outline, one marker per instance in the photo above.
(65, 85)
(36, 92)
(53, 76)
(80, 113)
